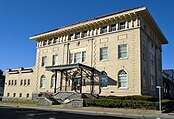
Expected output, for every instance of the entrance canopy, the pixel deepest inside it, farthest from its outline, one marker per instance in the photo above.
(66, 67)
(67, 72)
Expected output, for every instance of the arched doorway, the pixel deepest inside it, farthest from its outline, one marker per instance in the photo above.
(77, 81)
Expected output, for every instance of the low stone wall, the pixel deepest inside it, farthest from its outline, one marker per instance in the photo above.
(74, 103)
(15, 99)
(42, 101)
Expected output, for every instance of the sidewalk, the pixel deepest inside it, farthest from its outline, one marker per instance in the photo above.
(137, 113)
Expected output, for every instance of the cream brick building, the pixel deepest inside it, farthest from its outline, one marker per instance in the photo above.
(116, 54)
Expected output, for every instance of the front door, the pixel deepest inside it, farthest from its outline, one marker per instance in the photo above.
(76, 84)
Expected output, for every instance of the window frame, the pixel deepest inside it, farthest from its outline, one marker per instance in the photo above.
(122, 25)
(113, 27)
(104, 29)
(103, 55)
(53, 78)
(125, 81)
(44, 61)
(55, 60)
(120, 56)
(103, 80)
(42, 81)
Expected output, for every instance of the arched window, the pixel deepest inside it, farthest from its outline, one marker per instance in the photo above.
(53, 81)
(122, 79)
(42, 81)
(103, 79)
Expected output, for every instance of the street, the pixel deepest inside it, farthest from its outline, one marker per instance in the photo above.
(27, 113)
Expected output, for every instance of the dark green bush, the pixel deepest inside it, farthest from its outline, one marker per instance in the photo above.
(112, 103)
(144, 98)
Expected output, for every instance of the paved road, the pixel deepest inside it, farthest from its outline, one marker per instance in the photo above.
(27, 113)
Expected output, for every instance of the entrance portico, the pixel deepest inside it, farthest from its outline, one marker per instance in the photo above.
(76, 73)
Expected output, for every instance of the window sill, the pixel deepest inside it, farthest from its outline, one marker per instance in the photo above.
(123, 58)
(103, 87)
(104, 60)
(123, 88)
(42, 87)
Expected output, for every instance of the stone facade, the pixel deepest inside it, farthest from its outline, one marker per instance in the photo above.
(125, 45)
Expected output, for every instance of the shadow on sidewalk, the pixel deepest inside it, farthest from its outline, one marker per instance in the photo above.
(168, 110)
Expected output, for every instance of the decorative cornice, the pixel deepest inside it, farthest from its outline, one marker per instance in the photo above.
(129, 14)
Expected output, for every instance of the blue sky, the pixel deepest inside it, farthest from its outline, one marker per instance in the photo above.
(20, 19)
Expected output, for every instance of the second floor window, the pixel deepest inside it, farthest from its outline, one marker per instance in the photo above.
(44, 60)
(77, 57)
(104, 53)
(55, 60)
(83, 56)
(122, 51)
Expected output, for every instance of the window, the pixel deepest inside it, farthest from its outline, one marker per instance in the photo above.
(122, 51)
(8, 94)
(70, 37)
(113, 27)
(151, 60)
(77, 57)
(103, 79)
(85, 33)
(20, 95)
(15, 82)
(9, 82)
(25, 82)
(122, 79)
(104, 29)
(122, 25)
(55, 60)
(44, 60)
(71, 58)
(44, 42)
(49, 41)
(55, 40)
(28, 82)
(152, 82)
(83, 56)
(21, 82)
(78, 35)
(144, 53)
(53, 81)
(12, 82)
(14, 94)
(104, 53)
(27, 96)
(42, 82)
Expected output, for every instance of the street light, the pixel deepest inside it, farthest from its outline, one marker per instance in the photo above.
(159, 88)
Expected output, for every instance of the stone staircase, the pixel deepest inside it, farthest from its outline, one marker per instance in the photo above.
(65, 98)
(63, 95)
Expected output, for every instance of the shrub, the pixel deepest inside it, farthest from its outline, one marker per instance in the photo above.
(112, 103)
(136, 97)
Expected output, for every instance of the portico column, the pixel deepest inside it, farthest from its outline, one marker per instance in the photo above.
(61, 80)
(55, 81)
(66, 81)
(81, 77)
